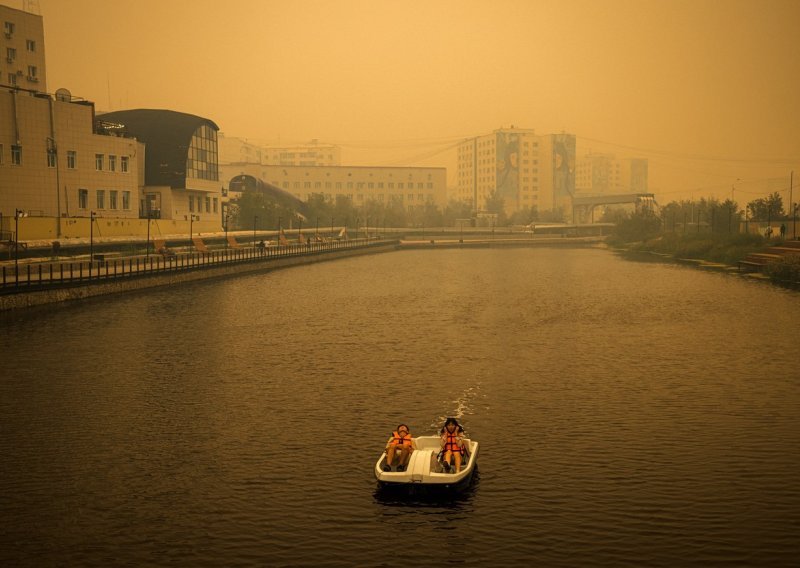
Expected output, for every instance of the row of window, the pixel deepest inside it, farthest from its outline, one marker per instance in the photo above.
(352, 185)
(100, 163)
(100, 199)
(421, 197)
(72, 159)
(211, 205)
(11, 53)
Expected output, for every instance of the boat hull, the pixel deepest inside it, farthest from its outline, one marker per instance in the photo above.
(425, 470)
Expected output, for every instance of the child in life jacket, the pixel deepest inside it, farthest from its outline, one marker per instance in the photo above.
(401, 446)
(453, 448)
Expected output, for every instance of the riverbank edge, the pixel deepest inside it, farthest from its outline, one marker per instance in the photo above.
(30, 299)
(703, 264)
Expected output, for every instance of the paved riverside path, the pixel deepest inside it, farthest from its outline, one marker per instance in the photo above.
(23, 277)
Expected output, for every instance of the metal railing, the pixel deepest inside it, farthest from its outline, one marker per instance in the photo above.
(46, 275)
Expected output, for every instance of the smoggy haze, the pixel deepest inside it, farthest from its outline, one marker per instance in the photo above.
(707, 90)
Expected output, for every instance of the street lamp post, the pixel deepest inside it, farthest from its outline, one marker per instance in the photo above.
(331, 228)
(91, 242)
(358, 225)
(279, 230)
(316, 231)
(461, 240)
(147, 249)
(227, 215)
(191, 220)
(17, 214)
(255, 220)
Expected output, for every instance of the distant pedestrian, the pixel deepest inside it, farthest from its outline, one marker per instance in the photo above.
(768, 232)
(783, 230)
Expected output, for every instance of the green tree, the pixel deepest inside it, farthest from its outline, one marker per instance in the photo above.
(767, 209)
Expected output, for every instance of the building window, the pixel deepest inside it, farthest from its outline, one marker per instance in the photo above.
(202, 159)
(9, 28)
(12, 79)
(400, 185)
(338, 185)
(191, 204)
(349, 185)
(112, 163)
(411, 197)
(112, 199)
(11, 54)
(33, 73)
(285, 185)
(101, 198)
(72, 158)
(391, 185)
(98, 162)
(123, 164)
(297, 185)
(430, 185)
(216, 204)
(16, 155)
(199, 204)
(83, 198)
(30, 45)
(307, 185)
(126, 200)
(51, 158)
(208, 205)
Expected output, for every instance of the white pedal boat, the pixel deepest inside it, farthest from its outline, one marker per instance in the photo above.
(425, 469)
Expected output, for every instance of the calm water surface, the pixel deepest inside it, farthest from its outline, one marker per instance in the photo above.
(629, 414)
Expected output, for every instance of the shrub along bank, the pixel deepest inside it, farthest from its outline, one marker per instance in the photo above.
(640, 233)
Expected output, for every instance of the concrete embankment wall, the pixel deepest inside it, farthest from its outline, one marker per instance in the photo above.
(101, 287)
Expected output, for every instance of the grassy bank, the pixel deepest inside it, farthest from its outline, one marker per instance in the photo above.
(722, 248)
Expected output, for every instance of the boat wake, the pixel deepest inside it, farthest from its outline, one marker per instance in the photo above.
(462, 406)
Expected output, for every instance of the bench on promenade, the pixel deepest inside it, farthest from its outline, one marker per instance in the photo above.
(199, 244)
(162, 249)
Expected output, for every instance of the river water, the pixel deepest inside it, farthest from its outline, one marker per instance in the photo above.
(629, 414)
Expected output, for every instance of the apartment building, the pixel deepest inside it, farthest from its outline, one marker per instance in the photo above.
(55, 160)
(239, 150)
(605, 174)
(410, 186)
(22, 50)
(516, 165)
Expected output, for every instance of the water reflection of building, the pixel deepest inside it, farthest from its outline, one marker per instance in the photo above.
(517, 166)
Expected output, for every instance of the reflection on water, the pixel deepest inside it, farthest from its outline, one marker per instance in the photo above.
(628, 414)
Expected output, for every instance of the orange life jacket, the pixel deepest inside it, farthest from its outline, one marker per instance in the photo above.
(451, 443)
(404, 440)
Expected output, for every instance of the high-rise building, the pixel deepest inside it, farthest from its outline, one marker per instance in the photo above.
(22, 46)
(518, 167)
(605, 174)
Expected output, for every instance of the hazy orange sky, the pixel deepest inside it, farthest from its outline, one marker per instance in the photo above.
(707, 90)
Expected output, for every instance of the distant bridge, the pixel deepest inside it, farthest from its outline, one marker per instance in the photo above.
(583, 206)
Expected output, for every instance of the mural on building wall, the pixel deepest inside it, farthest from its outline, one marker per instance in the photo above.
(563, 165)
(639, 175)
(507, 182)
